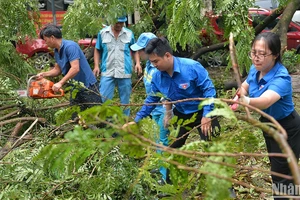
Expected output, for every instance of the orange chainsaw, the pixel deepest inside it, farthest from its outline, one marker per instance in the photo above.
(41, 89)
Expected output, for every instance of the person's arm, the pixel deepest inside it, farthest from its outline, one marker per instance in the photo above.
(206, 85)
(243, 91)
(168, 114)
(97, 56)
(146, 109)
(137, 68)
(74, 69)
(267, 99)
(55, 71)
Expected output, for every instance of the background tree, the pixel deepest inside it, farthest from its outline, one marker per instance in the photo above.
(60, 159)
(17, 22)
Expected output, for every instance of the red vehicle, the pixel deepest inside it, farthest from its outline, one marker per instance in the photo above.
(37, 48)
(293, 34)
(256, 16)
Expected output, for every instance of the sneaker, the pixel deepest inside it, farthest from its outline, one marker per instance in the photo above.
(161, 182)
(154, 171)
(162, 195)
(232, 193)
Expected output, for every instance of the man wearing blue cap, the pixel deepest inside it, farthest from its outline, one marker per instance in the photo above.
(159, 111)
(113, 52)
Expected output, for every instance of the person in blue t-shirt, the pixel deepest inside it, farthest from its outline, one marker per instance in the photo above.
(158, 112)
(71, 62)
(178, 79)
(269, 88)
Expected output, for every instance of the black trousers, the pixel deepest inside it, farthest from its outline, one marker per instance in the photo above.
(182, 136)
(86, 97)
(292, 126)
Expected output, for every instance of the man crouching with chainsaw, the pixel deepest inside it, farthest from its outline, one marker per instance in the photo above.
(71, 62)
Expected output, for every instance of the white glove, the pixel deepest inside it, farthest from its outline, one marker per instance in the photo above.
(245, 100)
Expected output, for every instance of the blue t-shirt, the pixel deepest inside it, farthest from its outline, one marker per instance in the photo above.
(190, 80)
(277, 80)
(148, 74)
(70, 51)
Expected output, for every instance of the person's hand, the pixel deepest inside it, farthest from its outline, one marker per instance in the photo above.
(245, 100)
(127, 124)
(39, 76)
(168, 116)
(56, 87)
(96, 71)
(138, 69)
(235, 106)
(206, 126)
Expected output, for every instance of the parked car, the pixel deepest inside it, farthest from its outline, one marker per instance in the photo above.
(293, 34)
(296, 17)
(256, 16)
(36, 50)
(267, 4)
(40, 55)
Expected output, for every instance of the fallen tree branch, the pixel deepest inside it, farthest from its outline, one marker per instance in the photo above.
(5, 133)
(9, 115)
(30, 127)
(9, 106)
(52, 107)
(235, 67)
(20, 119)
(7, 147)
(187, 168)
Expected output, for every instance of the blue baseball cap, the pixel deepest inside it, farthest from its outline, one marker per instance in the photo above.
(142, 41)
(122, 19)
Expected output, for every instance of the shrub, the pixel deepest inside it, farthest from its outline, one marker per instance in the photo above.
(291, 60)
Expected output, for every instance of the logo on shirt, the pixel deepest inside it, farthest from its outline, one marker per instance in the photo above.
(261, 87)
(184, 85)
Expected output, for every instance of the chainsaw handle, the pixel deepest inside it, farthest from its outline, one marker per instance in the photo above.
(62, 93)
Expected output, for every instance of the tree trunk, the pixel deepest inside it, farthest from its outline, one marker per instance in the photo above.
(283, 25)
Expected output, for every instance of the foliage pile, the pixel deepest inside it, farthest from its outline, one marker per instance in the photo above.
(84, 161)
(54, 157)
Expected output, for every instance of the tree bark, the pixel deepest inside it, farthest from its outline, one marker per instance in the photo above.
(12, 138)
(282, 26)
